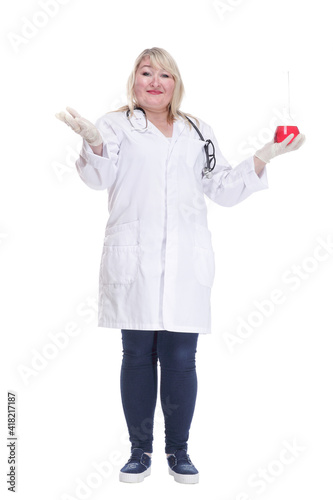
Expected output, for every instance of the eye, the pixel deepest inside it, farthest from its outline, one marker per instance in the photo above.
(145, 73)
(165, 75)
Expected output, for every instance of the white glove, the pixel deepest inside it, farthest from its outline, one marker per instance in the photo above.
(272, 149)
(81, 126)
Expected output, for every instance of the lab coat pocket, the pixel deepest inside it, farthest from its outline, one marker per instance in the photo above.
(204, 258)
(121, 253)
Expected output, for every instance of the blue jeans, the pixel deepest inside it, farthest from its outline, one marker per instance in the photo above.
(178, 387)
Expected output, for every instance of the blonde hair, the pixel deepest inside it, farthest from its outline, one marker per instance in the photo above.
(159, 58)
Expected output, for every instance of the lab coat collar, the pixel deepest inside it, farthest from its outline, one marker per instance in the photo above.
(140, 121)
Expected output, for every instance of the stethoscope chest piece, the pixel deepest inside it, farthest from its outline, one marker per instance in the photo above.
(206, 172)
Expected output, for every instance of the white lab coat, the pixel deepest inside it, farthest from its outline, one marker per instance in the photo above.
(157, 265)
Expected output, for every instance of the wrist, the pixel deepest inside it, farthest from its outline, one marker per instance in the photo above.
(259, 164)
(97, 150)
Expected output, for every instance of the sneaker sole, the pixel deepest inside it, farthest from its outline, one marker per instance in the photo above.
(184, 478)
(127, 477)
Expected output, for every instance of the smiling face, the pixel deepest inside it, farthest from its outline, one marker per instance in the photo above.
(153, 87)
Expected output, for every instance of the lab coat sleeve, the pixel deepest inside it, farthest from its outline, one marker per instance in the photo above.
(229, 186)
(99, 172)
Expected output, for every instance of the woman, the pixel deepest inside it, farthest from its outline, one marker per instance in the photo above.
(157, 265)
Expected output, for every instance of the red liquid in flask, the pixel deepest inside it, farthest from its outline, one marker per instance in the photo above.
(283, 131)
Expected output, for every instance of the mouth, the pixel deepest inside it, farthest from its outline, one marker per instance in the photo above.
(154, 92)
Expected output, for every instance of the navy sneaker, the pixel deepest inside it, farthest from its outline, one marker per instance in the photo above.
(182, 469)
(137, 468)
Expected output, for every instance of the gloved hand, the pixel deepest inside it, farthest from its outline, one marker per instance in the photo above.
(81, 126)
(272, 149)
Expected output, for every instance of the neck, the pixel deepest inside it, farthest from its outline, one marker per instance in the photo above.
(157, 115)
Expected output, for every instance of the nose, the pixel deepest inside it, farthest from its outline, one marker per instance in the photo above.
(155, 81)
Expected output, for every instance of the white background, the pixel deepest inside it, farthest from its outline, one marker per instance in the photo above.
(274, 387)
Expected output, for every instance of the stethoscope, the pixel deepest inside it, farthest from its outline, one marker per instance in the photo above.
(210, 157)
